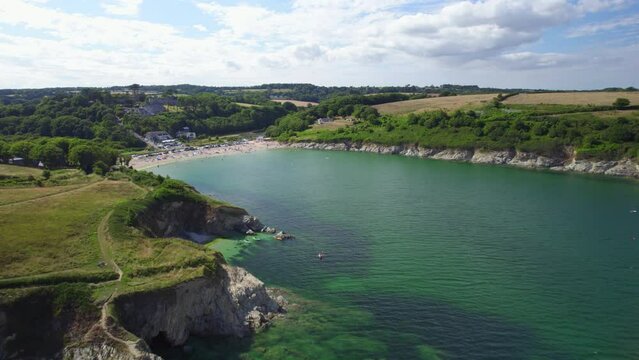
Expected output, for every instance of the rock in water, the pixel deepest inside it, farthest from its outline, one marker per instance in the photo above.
(283, 236)
(269, 230)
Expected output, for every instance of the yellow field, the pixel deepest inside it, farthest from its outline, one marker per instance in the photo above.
(246, 104)
(333, 125)
(574, 98)
(437, 103)
(297, 103)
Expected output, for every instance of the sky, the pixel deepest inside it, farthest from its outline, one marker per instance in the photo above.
(551, 44)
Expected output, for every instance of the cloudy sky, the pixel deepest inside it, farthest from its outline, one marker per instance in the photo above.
(563, 44)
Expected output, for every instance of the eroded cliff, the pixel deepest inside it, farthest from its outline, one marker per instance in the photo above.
(232, 302)
(560, 162)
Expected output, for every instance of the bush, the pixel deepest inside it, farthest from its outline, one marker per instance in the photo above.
(621, 103)
(100, 168)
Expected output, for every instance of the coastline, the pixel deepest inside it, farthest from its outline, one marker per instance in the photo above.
(624, 168)
(144, 162)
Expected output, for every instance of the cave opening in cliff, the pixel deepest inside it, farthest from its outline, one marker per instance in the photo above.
(160, 342)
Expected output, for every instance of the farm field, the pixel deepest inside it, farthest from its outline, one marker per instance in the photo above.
(438, 103)
(297, 103)
(574, 98)
(246, 104)
(339, 123)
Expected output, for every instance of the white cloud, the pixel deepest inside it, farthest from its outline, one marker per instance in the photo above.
(200, 27)
(322, 41)
(121, 7)
(599, 5)
(594, 28)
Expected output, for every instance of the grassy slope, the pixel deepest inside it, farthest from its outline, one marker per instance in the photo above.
(13, 170)
(13, 195)
(54, 234)
(57, 233)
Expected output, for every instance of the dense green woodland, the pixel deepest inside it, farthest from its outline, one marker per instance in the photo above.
(596, 132)
(209, 114)
(91, 127)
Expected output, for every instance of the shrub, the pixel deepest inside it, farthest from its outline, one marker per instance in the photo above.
(621, 103)
(100, 168)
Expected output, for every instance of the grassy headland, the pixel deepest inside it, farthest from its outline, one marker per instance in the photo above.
(68, 251)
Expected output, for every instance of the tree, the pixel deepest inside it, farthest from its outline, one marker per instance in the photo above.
(100, 168)
(621, 103)
(84, 156)
(289, 106)
(49, 154)
(21, 149)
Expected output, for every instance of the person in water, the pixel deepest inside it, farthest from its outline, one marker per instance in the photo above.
(320, 255)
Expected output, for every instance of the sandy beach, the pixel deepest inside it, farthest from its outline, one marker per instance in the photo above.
(169, 156)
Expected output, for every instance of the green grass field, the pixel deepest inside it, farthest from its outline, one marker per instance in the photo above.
(18, 171)
(56, 233)
(12, 195)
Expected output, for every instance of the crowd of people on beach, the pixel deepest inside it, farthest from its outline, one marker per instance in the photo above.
(191, 152)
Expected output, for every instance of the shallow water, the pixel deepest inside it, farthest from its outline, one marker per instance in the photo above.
(431, 259)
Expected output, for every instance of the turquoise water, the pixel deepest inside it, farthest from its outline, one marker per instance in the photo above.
(431, 259)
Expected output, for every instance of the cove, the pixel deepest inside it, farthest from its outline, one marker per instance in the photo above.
(431, 259)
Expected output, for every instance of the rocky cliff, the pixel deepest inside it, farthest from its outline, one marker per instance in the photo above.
(223, 300)
(174, 218)
(624, 167)
(231, 303)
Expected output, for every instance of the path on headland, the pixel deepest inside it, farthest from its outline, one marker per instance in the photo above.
(105, 241)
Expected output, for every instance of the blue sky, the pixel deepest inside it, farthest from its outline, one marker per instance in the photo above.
(562, 44)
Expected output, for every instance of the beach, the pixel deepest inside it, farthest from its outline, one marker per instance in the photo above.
(168, 156)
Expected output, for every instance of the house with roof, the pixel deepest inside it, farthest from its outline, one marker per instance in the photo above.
(186, 133)
(157, 137)
(325, 120)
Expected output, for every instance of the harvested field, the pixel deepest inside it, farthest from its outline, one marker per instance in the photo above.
(246, 104)
(297, 103)
(574, 98)
(437, 103)
(333, 125)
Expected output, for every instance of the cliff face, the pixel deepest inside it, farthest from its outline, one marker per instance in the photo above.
(625, 167)
(32, 328)
(232, 302)
(174, 218)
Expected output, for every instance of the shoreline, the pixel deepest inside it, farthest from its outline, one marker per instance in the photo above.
(144, 162)
(623, 168)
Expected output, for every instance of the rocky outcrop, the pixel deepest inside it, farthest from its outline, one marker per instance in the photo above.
(624, 167)
(175, 218)
(231, 302)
